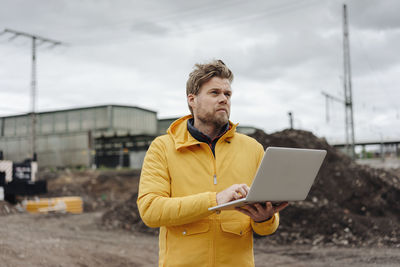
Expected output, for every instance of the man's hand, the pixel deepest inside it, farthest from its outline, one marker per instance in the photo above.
(233, 192)
(261, 213)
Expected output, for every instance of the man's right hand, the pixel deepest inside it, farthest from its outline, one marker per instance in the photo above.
(233, 192)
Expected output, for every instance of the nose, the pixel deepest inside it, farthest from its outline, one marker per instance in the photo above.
(223, 99)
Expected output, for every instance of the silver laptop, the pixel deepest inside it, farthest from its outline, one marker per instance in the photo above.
(285, 174)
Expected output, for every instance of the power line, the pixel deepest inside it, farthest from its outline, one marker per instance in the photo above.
(263, 13)
(193, 12)
(35, 39)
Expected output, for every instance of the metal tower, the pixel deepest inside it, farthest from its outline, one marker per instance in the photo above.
(348, 101)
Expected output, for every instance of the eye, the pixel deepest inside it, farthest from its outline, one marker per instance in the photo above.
(228, 95)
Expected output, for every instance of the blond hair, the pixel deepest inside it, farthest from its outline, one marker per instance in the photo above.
(202, 73)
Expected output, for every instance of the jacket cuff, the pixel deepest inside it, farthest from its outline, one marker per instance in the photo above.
(267, 227)
(213, 199)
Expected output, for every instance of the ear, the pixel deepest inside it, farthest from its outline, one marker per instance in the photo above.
(191, 100)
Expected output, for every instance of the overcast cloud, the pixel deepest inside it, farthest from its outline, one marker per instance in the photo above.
(283, 54)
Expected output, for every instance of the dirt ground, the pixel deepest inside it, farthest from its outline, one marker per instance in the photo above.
(76, 240)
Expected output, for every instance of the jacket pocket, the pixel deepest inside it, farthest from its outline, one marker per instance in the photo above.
(235, 247)
(188, 245)
(235, 227)
(192, 228)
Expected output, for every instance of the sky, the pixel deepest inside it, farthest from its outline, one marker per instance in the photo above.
(283, 54)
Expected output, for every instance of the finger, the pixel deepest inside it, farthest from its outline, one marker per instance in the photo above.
(281, 206)
(246, 188)
(236, 195)
(242, 191)
(252, 210)
(259, 208)
(268, 209)
(269, 206)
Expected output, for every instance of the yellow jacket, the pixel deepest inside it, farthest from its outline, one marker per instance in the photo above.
(179, 181)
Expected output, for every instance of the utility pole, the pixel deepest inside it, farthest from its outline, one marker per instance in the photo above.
(349, 118)
(348, 98)
(35, 40)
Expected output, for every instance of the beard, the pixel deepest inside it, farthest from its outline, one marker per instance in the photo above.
(217, 119)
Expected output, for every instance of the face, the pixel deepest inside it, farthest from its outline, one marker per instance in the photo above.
(213, 103)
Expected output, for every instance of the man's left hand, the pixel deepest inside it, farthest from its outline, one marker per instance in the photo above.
(261, 213)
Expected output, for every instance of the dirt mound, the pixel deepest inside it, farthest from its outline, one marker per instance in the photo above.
(99, 189)
(349, 204)
(126, 216)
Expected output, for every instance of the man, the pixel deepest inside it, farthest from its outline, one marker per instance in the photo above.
(200, 163)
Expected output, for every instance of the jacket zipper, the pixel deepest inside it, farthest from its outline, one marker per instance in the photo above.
(215, 181)
(215, 168)
(213, 247)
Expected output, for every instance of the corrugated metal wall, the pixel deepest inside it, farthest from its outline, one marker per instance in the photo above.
(136, 121)
(64, 150)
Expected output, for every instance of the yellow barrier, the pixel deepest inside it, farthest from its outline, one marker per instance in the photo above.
(59, 204)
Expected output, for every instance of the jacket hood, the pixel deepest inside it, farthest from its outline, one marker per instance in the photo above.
(182, 138)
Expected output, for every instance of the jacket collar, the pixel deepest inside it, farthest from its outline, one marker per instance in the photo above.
(182, 138)
(202, 137)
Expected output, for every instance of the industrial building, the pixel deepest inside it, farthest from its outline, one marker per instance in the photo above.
(108, 135)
